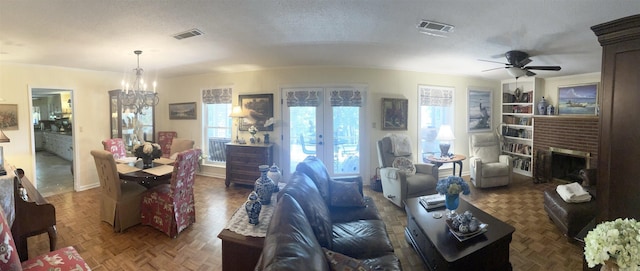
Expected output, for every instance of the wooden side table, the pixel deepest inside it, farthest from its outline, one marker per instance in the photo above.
(243, 161)
(439, 161)
(240, 252)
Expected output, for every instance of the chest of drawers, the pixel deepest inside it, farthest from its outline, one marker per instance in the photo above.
(243, 161)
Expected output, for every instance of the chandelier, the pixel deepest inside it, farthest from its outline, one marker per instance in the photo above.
(135, 95)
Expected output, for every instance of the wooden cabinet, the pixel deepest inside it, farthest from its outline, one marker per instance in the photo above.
(243, 161)
(125, 124)
(59, 144)
(519, 101)
(618, 150)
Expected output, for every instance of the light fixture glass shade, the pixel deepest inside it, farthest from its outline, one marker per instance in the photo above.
(136, 95)
(237, 112)
(4, 138)
(516, 72)
(445, 133)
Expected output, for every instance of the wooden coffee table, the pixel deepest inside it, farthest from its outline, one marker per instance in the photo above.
(439, 248)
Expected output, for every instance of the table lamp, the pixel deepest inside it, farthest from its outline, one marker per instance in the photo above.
(445, 135)
(238, 114)
(3, 139)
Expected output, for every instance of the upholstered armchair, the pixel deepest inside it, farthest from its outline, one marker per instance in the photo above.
(406, 179)
(489, 168)
(116, 147)
(165, 139)
(120, 201)
(170, 208)
(179, 145)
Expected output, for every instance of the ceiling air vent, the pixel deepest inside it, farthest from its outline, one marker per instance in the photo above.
(188, 34)
(434, 28)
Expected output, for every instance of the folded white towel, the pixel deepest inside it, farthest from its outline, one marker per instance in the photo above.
(573, 193)
(400, 144)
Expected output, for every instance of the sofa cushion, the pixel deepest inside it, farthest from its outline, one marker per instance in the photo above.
(302, 189)
(341, 262)
(290, 243)
(345, 194)
(361, 239)
(315, 169)
(347, 214)
(66, 258)
(404, 164)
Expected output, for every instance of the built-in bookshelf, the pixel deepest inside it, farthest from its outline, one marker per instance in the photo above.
(518, 107)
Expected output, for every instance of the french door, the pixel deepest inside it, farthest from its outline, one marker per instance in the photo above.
(325, 123)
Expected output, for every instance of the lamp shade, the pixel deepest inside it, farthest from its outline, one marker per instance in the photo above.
(516, 72)
(4, 138)
(445, 133)
(237, 112)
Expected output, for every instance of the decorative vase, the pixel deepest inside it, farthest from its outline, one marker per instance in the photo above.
(542, 106)
(551, 110)
(275, 175)
(266, 138)
(609, 265)
(264, 186)
(253, 207)
(253, 139)
(451, 201)
(147, 162)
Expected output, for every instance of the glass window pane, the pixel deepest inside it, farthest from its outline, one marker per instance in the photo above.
(346, 134)
(302, 129)
(218, 129)
(431, 118)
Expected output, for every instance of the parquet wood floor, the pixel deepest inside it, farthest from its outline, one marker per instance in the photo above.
(536, 245)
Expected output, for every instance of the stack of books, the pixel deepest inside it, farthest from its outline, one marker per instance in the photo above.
(431, 202)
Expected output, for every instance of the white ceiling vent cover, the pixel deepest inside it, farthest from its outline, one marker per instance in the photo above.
(188, 34)
(434, 28)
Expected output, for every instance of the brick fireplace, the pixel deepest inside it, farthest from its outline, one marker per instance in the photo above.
(578, 134)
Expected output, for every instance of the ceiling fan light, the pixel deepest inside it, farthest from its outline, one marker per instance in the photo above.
(516, 72)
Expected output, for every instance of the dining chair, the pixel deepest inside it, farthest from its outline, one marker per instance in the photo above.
(179, 145)
(170, 208)
(164, 139)
(120, 201)
(116, 147)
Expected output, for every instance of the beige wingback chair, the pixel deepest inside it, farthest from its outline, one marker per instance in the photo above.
(120, 201)
(179, 145)
(397, 185)
(489, 168)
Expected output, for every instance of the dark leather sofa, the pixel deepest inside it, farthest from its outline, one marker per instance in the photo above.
(313, 217)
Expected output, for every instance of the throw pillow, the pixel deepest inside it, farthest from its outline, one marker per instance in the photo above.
(405, 164)
(341, 262)
(345, 194)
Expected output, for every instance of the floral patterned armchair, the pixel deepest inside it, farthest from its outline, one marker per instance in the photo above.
(115, 146)
(165, 138)
(62, 259)
(170, 207)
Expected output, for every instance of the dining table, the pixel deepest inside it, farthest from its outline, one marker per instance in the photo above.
(131, 169)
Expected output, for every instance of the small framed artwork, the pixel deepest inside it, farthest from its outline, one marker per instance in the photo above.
(394, 114)
(479, 110)
(258, 108)
(9, 116)
(578, 99)
(183, 111)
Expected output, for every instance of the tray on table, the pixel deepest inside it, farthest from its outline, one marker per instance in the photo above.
(482, 228)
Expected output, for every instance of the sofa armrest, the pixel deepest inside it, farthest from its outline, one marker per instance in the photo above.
(427, 168)
(505, 159)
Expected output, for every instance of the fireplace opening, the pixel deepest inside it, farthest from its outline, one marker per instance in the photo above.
(566, 164)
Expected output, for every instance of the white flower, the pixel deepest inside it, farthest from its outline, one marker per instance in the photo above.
(269, 122)
(253, 130)
(619, 239)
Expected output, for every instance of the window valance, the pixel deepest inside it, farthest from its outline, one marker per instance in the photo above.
(436, 96)
(302, 97)
(217, 96)
(346, 97)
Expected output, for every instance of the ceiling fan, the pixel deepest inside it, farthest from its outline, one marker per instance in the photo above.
(517, 64)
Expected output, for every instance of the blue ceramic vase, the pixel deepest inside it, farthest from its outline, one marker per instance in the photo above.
(264, 186)
(253, 207)
(451, 201)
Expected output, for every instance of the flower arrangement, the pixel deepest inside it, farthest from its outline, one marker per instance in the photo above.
(452, 185)
(147, 150)
(253, 130)
(614, 241)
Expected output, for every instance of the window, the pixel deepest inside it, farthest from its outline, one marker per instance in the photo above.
(217, 123)
(436, 109)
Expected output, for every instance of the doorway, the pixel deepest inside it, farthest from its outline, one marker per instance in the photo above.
(324, 122)
(52, 130)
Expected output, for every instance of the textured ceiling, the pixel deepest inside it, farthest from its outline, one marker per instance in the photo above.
(250, 35)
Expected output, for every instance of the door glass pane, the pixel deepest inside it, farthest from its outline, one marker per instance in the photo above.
(302, 129)
(346, 153)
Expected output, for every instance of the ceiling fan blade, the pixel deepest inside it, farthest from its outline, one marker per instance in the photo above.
(506, 64)
(530, 73)
(543, 68)
(524, 62)
(499, 68)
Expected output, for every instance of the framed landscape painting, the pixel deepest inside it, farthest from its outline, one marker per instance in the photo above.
(259, 108)
(182, 111)
(578, 99)
(479, 110)
(394, 114)
(9, 116)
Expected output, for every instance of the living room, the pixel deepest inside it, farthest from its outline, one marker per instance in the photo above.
(91, 109)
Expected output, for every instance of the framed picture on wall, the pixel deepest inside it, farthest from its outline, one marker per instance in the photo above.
(578, 99)
(9, 116)
(259, 108)
(394, 114)
(183, 111)
(479, 110)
